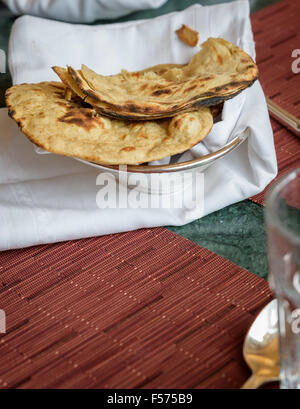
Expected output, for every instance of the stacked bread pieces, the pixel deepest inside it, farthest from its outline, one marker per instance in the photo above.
(131, 117)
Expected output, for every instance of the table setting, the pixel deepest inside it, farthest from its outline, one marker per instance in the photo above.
(163, 265)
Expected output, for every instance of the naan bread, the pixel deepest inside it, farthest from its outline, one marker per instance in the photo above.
(219, 71)
(104, 109)
(73, 128)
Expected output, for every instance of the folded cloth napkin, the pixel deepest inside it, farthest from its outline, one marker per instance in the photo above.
(80, 11)
(50, 198)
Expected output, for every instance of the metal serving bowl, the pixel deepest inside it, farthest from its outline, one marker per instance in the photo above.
(163, 171)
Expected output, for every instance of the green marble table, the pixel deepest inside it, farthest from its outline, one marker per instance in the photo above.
(236, 232)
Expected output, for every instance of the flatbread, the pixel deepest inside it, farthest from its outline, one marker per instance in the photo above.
(104, 109)
(219, 71)
(73, 128)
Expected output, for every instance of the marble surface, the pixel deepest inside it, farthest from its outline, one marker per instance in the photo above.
(236, 232)
(6, 21)
(177, 5)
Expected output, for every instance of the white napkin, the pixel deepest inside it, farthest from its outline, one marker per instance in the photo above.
(49, 198)
(80, 11)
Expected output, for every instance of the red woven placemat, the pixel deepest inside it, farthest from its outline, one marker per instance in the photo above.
(277, 34)
(146, 308)
(134, 310)
(287, 147)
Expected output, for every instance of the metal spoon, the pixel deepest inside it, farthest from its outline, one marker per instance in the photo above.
(261, 348)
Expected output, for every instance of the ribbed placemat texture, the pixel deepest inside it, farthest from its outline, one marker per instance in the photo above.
(134, 310)
(277, 34)
(146, 308)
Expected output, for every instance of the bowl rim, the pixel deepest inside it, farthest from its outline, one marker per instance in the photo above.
(182, 166)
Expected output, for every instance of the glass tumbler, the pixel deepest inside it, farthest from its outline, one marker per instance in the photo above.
(283, 230)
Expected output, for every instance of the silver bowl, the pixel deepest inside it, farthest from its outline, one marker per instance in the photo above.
(164, 172)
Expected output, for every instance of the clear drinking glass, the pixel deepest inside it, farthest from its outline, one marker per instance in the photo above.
(283, 228)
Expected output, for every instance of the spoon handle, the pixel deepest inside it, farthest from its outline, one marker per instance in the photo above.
(255, 381)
